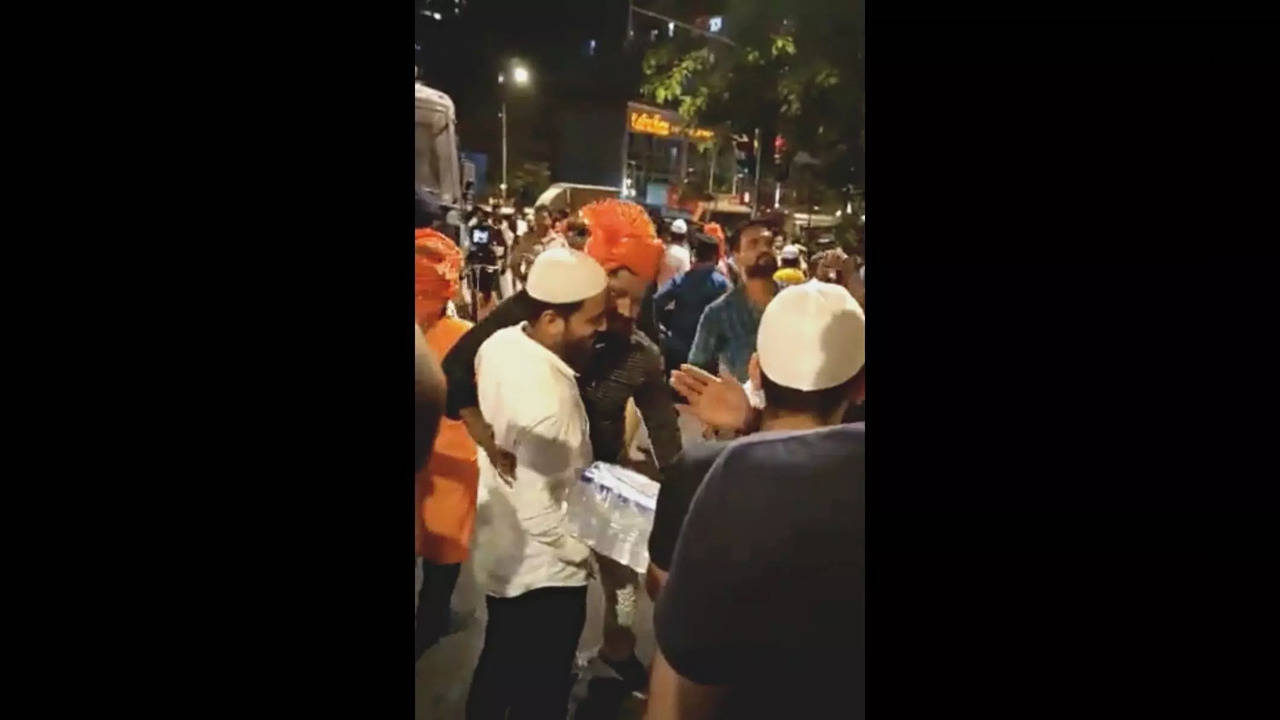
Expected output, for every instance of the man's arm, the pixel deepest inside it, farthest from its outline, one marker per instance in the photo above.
(428, 399)
(705, 351)
(666, 293)
(459, 367)
(460, 371)
(673, 697)
(654, 402)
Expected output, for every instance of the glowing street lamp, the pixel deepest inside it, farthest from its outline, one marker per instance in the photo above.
(520, 76)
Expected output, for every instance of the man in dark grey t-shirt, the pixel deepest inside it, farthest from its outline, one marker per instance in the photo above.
(767, 581)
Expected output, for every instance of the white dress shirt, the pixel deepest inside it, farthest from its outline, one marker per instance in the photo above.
(530, 397)
(675, 261)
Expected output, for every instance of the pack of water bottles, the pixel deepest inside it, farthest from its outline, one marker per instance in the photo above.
(611, 509)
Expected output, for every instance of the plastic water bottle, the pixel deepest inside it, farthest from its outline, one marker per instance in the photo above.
(611, 510)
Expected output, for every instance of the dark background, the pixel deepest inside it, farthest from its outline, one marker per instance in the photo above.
(576, 99)
(1070, 463)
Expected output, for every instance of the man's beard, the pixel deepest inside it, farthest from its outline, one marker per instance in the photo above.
(578, 354)
(763, 268)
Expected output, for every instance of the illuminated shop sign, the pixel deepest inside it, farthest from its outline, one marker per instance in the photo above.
(650, 122)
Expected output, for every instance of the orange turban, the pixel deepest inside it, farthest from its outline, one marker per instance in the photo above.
(622, 235)
(437, 265)
(717, 232)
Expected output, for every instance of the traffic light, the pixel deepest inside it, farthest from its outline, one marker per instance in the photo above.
(744, 152)
(779, 148)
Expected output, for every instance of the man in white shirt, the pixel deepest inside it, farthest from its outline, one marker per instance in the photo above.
(677, 260)
(533, 572)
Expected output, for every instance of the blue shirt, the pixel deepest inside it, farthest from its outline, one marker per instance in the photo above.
(727, 334)
(691, 292)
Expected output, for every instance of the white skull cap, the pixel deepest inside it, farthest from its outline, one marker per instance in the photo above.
(812, 337)
(564, 275)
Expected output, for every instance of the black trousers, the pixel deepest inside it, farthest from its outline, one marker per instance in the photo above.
(438, 582)
(529, 645)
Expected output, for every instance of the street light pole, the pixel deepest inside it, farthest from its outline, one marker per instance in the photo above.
(504, 149)
(519, 76)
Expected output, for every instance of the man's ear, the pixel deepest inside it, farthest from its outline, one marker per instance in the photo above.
(547, 321)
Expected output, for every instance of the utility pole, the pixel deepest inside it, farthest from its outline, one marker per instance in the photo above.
(755, 194)
(504, 149)
(711, 173)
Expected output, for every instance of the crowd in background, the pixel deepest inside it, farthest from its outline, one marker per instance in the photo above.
(569, 338)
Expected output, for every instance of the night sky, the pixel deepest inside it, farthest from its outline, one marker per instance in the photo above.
(463, 54)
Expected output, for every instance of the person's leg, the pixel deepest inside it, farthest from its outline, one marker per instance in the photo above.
(556, 617)
(434, 598)
(496, 672)
(619, 583)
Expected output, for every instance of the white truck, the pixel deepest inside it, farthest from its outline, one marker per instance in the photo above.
(435, 146)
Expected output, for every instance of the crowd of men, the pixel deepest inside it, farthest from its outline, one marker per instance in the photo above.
(756, 551)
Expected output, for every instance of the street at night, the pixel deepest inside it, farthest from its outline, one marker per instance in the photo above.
(640, 262)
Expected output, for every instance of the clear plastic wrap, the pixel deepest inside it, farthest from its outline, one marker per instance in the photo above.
(611, 510)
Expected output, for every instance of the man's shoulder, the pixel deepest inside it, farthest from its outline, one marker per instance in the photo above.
(531, 388)
(693, 462)
(641, 343)
(502, 341)
(445, 333)
(717, 306)
(849, 435)
(763, 456)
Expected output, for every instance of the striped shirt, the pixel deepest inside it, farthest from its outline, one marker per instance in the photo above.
(726, 334)
(625, 368)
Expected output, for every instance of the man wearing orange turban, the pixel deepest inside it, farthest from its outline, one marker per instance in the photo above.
(445, 490)
(626, 366)
(624, 241)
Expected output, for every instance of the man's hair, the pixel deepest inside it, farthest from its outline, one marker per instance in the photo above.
(577, 228)
(534, 308)
(705, 248)
(735, 238)
(541, 208)
(815, 402)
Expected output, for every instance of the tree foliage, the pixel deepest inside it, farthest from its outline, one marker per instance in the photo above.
(796, 70)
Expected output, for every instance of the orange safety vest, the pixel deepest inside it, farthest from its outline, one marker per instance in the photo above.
(445, 490)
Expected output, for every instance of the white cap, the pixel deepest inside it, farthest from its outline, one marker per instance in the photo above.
(812, 336)
(679, 226)
(790, 252)
(564, 275)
